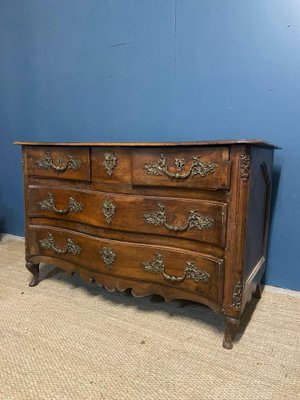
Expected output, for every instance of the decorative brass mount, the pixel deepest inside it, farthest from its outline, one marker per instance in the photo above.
(47, 163)
(49, 243)
(197, 167)
(110, 162)
(108, 256)
(237, 295)
(49, 205)
(190, 272)
(108, 210)
(245, 165)
(194, 220)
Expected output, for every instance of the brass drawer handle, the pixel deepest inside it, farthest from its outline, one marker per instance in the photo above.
(197, 167)
(195, 220)
(49, 205)
(47, 163)
(108, 256)
(49, 243)
(190, 271)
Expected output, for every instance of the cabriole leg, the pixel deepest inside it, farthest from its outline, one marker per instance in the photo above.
(230, 327)
(34, 269)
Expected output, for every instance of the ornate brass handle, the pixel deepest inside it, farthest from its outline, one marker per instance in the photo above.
(195, 220)
(197, 167)
(49, 205)
(190, 271)
(49, 243)
(47, 163)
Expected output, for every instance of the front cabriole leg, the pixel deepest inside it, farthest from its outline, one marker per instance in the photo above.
(231, 325)
(34, 269)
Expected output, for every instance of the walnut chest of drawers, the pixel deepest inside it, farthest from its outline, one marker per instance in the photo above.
(182, 220)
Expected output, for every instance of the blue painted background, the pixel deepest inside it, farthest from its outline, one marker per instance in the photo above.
(97, 70)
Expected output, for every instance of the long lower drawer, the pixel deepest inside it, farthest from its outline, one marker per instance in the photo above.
(162, 265)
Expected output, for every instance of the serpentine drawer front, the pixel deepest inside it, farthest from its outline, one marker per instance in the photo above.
(182, 220)
(198, 220)
(185, 270)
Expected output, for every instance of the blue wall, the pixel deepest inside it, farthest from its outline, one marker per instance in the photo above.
(96, 70)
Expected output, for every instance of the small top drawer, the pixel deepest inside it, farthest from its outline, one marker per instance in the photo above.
(59, 162)
(198, 167)
(111, 165)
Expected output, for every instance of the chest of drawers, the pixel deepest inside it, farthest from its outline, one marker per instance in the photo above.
(182, 220)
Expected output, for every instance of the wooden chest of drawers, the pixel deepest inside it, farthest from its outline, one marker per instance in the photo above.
(182, 220)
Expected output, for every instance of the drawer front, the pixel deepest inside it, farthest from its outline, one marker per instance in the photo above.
(160, 265)
(182, 218)
(59, 162)
(111, 165)
(205, 167)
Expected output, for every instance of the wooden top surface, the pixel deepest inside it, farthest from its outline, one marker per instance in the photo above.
(255, 142)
